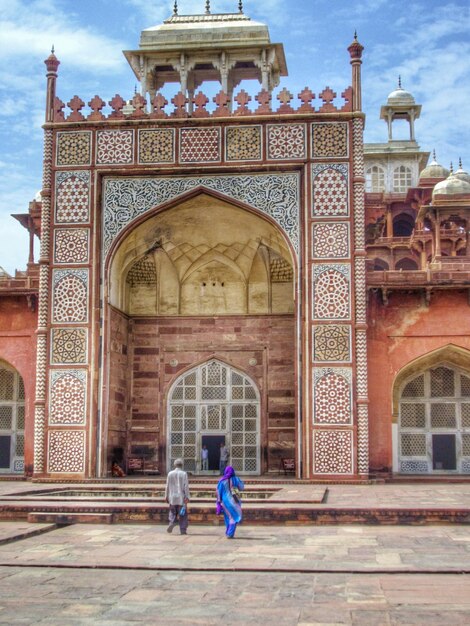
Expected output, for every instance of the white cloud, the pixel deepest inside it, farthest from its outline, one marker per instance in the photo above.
(29, 29)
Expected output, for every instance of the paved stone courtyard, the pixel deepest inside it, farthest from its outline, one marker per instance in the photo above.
(113, 575)
(306, 575)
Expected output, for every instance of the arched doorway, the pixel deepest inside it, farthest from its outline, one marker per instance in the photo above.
(434, 421)
(210, 404)
(12, 420)
(204, 277)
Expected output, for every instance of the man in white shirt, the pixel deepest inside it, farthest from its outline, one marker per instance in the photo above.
(177, 496)
(205, 458)
(224, 455)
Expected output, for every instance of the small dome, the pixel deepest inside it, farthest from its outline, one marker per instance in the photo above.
(434, 170)
(451, 186)
(400, 96)
(461, 174)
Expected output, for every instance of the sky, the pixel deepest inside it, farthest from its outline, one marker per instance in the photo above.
(426, 42)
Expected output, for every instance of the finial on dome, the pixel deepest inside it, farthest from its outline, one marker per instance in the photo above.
(399, 82)
(175, 8)
(451, 168)
(460, 163)
(355, 35)
(52, 49)
(240, 6)
(208, 7)
(434, 154)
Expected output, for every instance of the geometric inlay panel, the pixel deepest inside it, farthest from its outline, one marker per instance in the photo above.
(70, 296)
(330, 190)
(69, 346)
(199, 145)
(66, 451)
(114, 147)
(157, 145)
(275, 194)
(332, 342)
(243, 143)
(329, 140)
(333, 452)
(72, 197)
(330, 240)
(332, 396)
(331, 291)
(67, 398)
(71, 245)
(74, 148)
(286, 141)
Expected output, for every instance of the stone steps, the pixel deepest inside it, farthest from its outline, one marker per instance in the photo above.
(64, 518)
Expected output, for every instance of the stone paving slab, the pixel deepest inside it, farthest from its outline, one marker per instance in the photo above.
(113, 598)
(295, 549)
(15, 531)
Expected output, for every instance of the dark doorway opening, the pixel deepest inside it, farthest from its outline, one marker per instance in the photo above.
(213, 445)
(444, 455)
(5, 451)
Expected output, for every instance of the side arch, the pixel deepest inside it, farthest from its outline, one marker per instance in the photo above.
(451, 354)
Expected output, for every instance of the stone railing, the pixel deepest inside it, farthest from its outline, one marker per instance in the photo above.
(416, 278)
(160, 108)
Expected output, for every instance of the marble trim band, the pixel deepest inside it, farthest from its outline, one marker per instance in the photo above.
(276, 195)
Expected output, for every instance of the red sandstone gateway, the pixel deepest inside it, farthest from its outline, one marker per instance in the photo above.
(241, 271)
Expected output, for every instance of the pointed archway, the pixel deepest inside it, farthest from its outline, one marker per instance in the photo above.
(203, 277)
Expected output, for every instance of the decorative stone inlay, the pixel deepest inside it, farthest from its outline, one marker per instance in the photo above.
(69, 346)
(157, 145)
(66, 451)
(243, 143)
(331, 291)
(333, 452)
(286, 141)
(200, 145)
(71, 245)
(70, 296)
(329, 139)
(72, 197)
(114, 147)
(332, 342)
(330, 190)
(73, 148)
(332, 396)
(275, 194)
(331, 240)
(67, 398)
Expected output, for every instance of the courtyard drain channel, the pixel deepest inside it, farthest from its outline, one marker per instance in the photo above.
(241, 570)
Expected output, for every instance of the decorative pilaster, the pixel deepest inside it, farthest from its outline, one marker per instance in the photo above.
(41, 356)
(360, 299)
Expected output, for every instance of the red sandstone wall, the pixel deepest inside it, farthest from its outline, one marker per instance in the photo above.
(119, 382)
(18, 348)
(236, 340)
(398, 334)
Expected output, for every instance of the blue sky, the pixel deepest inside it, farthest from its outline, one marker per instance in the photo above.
(427, 42)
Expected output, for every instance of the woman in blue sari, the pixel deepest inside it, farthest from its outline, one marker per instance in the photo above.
(227, 501)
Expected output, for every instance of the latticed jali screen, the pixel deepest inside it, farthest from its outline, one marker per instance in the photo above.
(215, 399)
(434, 402)
(12, 418)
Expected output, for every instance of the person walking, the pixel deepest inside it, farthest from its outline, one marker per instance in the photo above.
(205, 458)
(177, 496)
(229, 501)
(224, 454)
